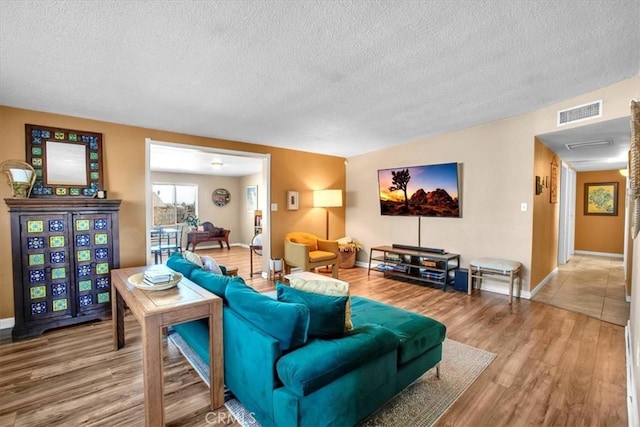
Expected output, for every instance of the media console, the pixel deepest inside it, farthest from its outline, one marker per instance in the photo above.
(422, 264)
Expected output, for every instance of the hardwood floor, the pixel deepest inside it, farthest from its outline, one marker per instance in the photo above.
(553, 367)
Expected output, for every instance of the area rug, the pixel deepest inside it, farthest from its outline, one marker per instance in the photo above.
(420, 404)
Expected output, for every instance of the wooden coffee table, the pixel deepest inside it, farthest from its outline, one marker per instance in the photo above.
(155, 310)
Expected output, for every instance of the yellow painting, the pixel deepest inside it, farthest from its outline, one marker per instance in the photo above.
(601, 198)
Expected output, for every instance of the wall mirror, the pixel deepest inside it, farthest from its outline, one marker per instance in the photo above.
(67, 163)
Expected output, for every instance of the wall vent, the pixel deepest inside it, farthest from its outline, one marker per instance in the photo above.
(580, 113)
(588, 144)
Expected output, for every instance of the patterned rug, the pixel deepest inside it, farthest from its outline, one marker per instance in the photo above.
(420, 404)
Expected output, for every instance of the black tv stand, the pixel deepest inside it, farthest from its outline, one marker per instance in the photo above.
(420, 264)
(419, 249)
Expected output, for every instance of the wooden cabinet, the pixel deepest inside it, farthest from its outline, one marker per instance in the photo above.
(63, 252)
(415, 264)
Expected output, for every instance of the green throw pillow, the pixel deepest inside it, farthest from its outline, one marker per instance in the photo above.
(326, 313)
(288, 323)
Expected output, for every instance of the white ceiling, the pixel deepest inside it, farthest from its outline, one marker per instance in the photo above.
(338, 78)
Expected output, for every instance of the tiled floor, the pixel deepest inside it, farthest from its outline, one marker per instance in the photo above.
(591, 285)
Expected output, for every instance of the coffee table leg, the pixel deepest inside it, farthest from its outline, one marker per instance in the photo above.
(152, 372)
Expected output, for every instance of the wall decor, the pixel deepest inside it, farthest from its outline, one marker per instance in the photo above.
(68, 163)
(601, 198)
(292, 200)
(252, 198)
(220, 196)
(538, 186)
(553, 182)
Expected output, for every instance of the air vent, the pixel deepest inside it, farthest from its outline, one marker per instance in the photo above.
(589, 144)
(580, 113)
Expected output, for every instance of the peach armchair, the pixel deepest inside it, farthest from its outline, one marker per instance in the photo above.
(306, 251)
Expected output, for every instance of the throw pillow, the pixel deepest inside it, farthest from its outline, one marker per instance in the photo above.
(326, 286)
(192, 258)
(286, 322)
(210, 264)
(326, 313)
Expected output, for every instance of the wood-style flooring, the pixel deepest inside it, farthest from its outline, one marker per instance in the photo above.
(554, 367)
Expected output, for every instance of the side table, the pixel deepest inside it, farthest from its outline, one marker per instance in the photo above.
(155, 310)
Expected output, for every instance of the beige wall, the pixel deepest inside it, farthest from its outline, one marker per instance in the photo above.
(544, 252)
(124, 175)
(498, 175)
(246, 231)
(598, 233)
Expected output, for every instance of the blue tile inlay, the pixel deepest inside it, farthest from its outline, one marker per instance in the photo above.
(57, 257)
(102, 282)
(100, 224)
(58, 289)
(102, 253)
(35, 242)
(39, 307)
(36, 275)
(83, 240)
(56, 225)
(85, 300)
(84, 270)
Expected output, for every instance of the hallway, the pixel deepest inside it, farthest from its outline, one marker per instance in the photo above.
(592, 285)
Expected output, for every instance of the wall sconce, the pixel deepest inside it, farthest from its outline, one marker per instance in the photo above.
(327, 199)
(20, 176)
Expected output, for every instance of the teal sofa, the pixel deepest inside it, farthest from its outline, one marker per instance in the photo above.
(285, 378)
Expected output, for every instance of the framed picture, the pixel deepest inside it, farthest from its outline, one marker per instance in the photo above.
(252, 198)
(601, 198)
(292, 200)
(553, 182)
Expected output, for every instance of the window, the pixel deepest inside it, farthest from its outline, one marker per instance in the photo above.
(172, 203)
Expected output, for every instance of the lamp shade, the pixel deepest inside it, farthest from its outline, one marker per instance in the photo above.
(327, 198)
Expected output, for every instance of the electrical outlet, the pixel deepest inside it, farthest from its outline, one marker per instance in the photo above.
(523, 207)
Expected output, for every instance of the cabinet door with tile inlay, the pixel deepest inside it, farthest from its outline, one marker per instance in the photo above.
(63, 253)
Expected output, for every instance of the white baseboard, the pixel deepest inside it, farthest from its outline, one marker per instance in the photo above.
(543, 282)
(632, 406)
(7, 323)
(607, 254)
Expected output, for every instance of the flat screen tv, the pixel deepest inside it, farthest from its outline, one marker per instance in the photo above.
(429, 190)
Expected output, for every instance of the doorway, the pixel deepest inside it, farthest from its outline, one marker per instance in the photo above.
(211, 170)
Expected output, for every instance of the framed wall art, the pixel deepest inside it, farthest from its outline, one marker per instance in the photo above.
(252, 198)
(601, 198)
(67, 162)
(292, 200)
(553, 182)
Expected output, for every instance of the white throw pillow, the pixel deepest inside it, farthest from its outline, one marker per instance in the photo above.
(192, 258)
(210, 264)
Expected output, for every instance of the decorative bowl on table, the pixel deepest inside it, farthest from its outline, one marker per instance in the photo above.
(138, 280)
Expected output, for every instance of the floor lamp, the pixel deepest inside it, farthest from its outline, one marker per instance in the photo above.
(327, 199)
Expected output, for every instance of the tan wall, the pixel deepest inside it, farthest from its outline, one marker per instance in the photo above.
(544, 253)
(498, 175)
(598, 233)
(124, 174)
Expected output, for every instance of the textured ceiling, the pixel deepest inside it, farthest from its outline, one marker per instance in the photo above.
(340, 78)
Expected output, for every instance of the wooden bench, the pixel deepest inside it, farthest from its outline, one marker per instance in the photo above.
(207, 235)
(501, 267)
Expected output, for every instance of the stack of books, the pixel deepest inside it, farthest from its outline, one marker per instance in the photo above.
(157, 277)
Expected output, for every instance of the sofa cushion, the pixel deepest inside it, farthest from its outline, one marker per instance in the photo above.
(326, 313)
(177, 263)
(287, 322)
(306, 281)
(321, 361)
(214, 283)
(416, 333)
(192, 258)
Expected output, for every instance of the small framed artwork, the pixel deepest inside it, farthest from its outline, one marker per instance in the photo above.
(292, 200)
(553, 182)
(252, 198)
(601, 198)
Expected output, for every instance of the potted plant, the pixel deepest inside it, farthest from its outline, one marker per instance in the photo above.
(192, 222)
(347, 247)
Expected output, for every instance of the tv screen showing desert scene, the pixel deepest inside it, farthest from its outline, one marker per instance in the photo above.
(429, 190)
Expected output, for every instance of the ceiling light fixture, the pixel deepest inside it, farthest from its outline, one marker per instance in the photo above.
(217, 164)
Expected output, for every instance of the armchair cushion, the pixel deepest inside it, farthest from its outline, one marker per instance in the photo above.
(317, 256)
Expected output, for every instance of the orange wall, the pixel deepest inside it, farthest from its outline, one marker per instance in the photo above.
(124, 175)
(544, 254)
(597, 233)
